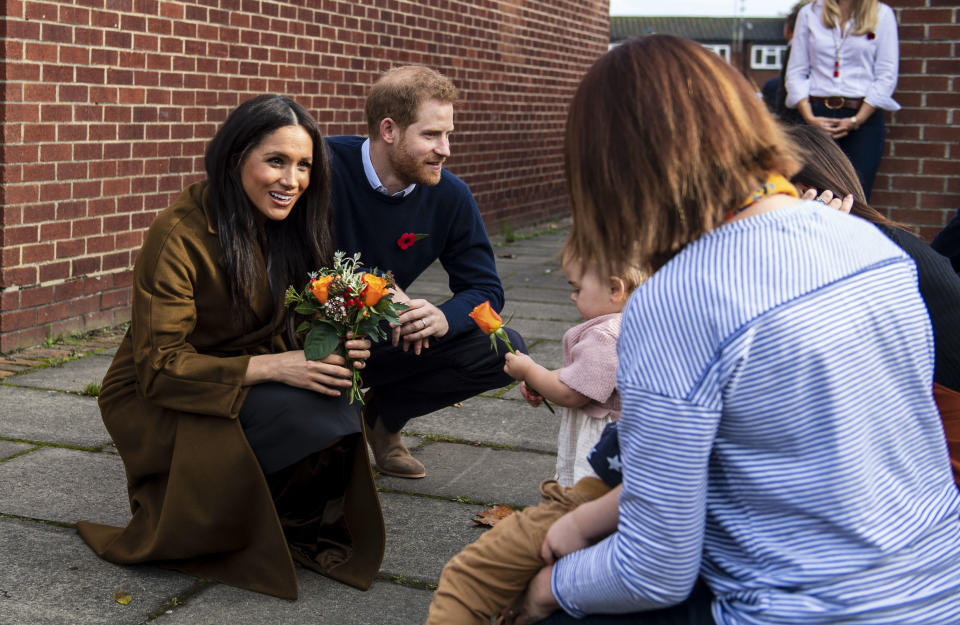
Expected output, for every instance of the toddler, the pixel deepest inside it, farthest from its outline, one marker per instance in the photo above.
(491, 573)
(586, 385)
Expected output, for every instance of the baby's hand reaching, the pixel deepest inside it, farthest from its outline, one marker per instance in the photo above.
(517, 365)
(533, 398)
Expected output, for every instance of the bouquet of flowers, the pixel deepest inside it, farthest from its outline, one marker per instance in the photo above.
(342, 299)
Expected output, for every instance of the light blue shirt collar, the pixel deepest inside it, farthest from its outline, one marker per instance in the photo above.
(372, 176)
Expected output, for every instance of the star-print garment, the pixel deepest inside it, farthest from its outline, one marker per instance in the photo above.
(605, 456)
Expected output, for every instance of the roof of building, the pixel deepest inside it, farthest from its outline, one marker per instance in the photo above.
(702, 29)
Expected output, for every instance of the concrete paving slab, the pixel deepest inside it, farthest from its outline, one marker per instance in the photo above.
(50, 577)
(496, 421)
(322, 601)
(544, 242)
(507, 268)
(534, 310)
(10, 448)
(51, 417)
(433, 293)
(531, 329)
(522, 293)
(65, 485)
(71, 376)
(423, 534)
(480, 474)
(547, 274)
(548, 353)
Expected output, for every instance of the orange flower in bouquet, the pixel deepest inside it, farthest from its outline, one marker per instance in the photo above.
(374, 290)
(321, 288)
(339, 300)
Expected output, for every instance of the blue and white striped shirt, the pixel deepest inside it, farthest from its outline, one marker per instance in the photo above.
(778, 435)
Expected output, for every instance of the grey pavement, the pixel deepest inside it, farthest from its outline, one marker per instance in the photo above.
(58, 465)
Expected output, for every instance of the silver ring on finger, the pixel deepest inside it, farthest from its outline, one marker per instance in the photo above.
(821, 200)
(423, 325)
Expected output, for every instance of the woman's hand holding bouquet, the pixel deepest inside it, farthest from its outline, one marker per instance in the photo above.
(342, 302)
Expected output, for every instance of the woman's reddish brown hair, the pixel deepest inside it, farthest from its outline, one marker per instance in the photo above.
(663, 139)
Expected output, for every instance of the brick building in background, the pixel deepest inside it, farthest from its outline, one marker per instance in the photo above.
(918, 183)
(919, 178)
(754, 45)
(108, 106)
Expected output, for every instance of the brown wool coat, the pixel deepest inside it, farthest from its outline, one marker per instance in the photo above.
(170, 400)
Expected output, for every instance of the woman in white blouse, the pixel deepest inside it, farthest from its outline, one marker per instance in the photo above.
(842, 74)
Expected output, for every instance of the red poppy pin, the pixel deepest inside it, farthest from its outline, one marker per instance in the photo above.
(409, 238)
(871, 36)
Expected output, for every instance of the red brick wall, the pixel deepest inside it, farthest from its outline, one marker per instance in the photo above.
(919, 178)
(108, 106)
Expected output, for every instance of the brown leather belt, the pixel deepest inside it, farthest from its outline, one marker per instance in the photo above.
(835, 102)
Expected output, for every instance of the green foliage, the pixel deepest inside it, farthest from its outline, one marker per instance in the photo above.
(320, 342)
(92, 389)
(509, 235)
(336, 307)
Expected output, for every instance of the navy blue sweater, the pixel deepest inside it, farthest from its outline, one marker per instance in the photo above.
(370, 222)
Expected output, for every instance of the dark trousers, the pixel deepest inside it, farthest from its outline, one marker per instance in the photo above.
(694, 611)
(864, 147)
(405, 385)
(284, 424)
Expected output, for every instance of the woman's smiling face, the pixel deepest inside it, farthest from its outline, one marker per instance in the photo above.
(276, 172)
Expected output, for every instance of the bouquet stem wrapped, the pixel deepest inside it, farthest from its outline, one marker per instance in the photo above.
(342, 300)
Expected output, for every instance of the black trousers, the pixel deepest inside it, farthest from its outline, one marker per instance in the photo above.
(452, 369)
(864, 147)
(285, 424)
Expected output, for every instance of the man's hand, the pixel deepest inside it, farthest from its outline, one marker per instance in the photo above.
(418, 323)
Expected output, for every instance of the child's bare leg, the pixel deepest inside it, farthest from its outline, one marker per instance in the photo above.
(493, 571)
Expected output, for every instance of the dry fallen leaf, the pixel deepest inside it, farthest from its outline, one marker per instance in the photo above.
(506, 255)
(492, 515)
(122, 597)
(458, 405)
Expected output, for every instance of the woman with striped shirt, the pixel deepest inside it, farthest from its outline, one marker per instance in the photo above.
(778, 436)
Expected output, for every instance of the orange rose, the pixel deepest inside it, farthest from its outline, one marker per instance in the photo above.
(487, 318)
(320, 288)
(375, 289)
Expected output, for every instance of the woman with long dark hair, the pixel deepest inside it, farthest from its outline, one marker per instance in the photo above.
(238, 451)
(778, 438)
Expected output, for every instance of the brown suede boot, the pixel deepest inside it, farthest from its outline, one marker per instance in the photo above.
(391, 455)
